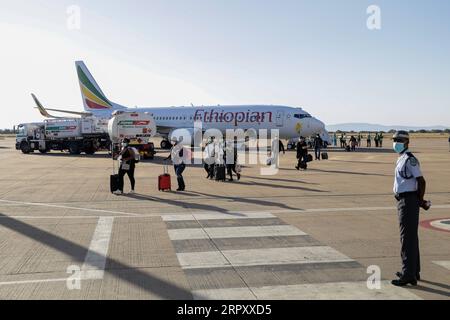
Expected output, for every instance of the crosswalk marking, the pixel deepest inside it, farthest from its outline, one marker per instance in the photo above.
(322, 291)
(263, 260)
(234, 232)
(217, 216)
(266, 256)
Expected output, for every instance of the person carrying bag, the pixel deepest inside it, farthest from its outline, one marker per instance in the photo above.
(127, 160)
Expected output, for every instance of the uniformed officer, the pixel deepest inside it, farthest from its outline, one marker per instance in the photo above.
(409, 190)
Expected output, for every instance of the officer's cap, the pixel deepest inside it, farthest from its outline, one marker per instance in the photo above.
(401, 135)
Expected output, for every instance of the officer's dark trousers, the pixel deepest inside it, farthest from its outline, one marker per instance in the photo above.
(408, 215)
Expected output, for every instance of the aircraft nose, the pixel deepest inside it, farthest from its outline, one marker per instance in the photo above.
(319, 125)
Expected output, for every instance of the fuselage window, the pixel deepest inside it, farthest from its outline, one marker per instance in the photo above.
(302, 116)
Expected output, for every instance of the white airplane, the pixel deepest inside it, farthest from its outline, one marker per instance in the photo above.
(170, 121)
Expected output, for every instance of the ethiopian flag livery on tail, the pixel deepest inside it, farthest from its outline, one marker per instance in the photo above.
(93, 97)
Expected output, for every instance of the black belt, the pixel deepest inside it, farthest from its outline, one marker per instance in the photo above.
(403, 195)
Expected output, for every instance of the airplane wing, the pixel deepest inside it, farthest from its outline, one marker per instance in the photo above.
(43, 111)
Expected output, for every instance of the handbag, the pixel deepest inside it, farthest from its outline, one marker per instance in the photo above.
(125, 166)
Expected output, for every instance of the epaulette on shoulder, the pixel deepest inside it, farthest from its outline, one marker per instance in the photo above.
(412, 159)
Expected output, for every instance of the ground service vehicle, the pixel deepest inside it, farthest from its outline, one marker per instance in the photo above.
(75, 135)
(138, 127)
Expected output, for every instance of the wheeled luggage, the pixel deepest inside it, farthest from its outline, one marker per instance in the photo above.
(325, 156)
(309, 158)
(219, 172)
(114, 182)
(165, 181)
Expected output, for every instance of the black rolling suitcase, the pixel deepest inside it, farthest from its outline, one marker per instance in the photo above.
(219, 172)
(309, 158)
(114, 182)
(324, 156)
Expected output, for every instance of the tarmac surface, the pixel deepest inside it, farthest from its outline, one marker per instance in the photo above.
(295, 235)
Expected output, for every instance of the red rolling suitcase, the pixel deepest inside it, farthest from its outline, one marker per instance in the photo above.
(164, 180)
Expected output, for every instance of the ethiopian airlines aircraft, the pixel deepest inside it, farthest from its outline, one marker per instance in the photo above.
(291, 122)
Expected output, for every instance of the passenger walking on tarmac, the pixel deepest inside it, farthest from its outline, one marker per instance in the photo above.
(335, 139)
(380, 139)
(353, 143)
(302, 154)
(359, 140)
(209, 158)
(342, 139)
(369, 140)
(281, 147)
(127, 160)
(230, 157)
(409, 190)
(376, 140)
(449, 143)
(176, 155)
(318, 144)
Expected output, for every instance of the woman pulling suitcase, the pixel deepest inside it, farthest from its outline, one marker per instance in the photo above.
(176, 155)
(127, 166)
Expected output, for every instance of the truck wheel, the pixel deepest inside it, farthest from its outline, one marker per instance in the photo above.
(166, 145)
(89, 151)
(74, 148)
(25, 147)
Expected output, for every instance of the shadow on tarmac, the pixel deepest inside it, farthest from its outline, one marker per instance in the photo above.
(341, 172)
(178, 203)
(132, 275)
(245, 200)
(204, 207)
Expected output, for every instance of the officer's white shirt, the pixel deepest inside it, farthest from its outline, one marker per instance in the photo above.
(412, 170)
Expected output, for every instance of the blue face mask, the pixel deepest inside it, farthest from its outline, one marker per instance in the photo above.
(399, 147)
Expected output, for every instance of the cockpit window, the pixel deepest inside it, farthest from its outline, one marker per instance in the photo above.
(302, 115)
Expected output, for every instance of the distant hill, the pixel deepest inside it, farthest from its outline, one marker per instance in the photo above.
(377, 127)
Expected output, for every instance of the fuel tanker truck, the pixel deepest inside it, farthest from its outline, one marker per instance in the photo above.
(75, 135)
(138, 127)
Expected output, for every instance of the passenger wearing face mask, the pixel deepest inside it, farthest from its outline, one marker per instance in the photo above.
(409, 190)
(127, 166)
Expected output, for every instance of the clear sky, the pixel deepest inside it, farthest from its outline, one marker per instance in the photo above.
(319, 55)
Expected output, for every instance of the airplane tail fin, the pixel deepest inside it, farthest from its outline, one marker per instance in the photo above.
(93, 97)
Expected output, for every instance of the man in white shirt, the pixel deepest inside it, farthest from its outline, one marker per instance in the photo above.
(409, 190)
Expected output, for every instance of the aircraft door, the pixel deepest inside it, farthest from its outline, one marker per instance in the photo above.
(280, 118)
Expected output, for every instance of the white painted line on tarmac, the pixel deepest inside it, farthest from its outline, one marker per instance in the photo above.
(314, 291)
(200, 215)
(444, 264)
(217, 216)
(234, 232)
(67, 207)
(95, 261)
(8, 283)
(349, 209)
(258, 257)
